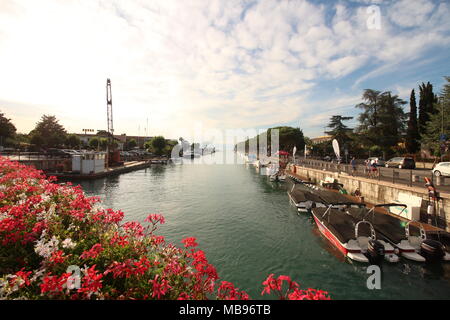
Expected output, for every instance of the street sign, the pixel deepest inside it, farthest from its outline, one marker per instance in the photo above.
(443, 137)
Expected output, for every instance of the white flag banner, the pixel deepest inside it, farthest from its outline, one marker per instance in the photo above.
(336, 148)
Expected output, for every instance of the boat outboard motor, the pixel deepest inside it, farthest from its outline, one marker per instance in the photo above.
(432, 250)
(375, 251)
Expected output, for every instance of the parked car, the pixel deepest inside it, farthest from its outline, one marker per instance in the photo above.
(57, 153)
(442, 169)
(401, 163)
(71, 151)
(379, 161)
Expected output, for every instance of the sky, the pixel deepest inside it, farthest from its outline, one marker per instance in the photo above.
(217, 64)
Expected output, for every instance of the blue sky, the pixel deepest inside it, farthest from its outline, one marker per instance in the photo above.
(219, 64)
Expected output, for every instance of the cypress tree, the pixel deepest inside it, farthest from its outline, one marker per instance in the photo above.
(426, 105)
(440, 121)
(412, 133)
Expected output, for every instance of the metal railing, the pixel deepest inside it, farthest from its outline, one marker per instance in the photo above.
(27, 156)
(409, 177)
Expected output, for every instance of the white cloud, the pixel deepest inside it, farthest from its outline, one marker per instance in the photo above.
(410, 13)
(225, 63)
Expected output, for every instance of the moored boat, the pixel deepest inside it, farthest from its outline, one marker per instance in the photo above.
(304, 199)
(355, 239)
(399, 233)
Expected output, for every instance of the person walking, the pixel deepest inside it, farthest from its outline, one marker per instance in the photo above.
(377, 171)
(353, 164)
(373, 168)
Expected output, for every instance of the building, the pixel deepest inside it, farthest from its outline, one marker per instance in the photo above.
(120, 139)
(321, 139)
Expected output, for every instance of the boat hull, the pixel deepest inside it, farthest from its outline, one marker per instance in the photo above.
(355, 254)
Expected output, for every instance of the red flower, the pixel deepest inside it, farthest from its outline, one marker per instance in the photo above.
(271, 284)
(93, 252)
(155, 218)
(227, 291)
(309, 294)
(183, 296)
(57, 257)
(135, 228)
(157, 240)
(54, 284)
(91, 281)
(21, 275)
(159, 288)
(189, 242)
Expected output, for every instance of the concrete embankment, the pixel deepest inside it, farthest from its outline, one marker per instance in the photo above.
(375, 191)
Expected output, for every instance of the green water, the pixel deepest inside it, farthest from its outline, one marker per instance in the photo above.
(248, 230)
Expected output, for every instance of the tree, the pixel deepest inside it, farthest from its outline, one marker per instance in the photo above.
(322, 149)
(439, 123)
(73, 141)
(131, 144)
(412, 134)
(158, 144)
(369, 118)
(48, 133)
(339, 130)
(392, 122)
(104, 143)
(288, 138)
(427, 101)
(170, 144)
(94, 143)
(382, 120)
(7, 129)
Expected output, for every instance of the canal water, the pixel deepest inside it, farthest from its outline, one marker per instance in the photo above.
(248, 230)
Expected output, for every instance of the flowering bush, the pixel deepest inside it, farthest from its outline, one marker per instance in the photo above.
(56, 243)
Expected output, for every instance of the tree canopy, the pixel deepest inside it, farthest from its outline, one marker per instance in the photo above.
(427, 101)
(382, 122)
(73, 141)
(7, 128)
(439, 123)
(288, 138)
(339, 130)
(157, 145)
(131, 144)
(412, 134)
(48, 133)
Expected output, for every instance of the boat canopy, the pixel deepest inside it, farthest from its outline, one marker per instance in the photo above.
(340, 224)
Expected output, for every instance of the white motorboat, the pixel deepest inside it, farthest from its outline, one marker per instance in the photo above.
(355, 239)
(398, 233)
